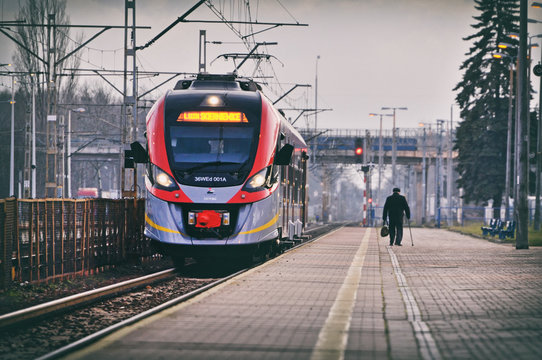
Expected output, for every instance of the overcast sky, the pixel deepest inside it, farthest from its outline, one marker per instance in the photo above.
(373, 53)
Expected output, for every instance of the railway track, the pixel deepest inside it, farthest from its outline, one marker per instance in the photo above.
(59, 327)
(69, 302)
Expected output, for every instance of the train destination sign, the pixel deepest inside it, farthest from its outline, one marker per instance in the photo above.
(213, 116)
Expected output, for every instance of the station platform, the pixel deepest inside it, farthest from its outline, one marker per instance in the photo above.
(350, 296)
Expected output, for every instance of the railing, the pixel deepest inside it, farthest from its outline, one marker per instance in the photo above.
(50, 238)
(451, 216)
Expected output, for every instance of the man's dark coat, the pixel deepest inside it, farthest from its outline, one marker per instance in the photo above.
(394, 208)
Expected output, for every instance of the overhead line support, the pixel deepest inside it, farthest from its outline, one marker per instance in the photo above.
(289, 91)
(171, 26)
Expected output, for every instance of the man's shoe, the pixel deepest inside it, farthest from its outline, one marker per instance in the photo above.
(398, 244)
(391, 244)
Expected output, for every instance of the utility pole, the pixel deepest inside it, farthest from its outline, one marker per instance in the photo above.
(129, 108)
(33, 166)
(316, 107)
(51, 171)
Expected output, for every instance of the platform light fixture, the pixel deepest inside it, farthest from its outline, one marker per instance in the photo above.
(394, 139)
(499, 55)
(504, 45)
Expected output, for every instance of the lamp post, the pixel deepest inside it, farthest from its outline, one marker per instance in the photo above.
(507, 185)
(438, 170)
(538, 72)
(450, 166)
(394, 140)
(521, 210)
(380, 154)
(509, 145)
(69, 172)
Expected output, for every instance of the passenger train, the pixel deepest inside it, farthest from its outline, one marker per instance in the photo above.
(226, 173)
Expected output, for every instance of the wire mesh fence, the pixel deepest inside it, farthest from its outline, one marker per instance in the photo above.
(45, 239)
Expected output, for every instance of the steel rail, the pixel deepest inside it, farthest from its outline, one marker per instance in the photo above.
(82, 298)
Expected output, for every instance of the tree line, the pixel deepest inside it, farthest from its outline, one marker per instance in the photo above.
(484, 95)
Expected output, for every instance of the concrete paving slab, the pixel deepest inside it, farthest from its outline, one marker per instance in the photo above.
(450, 296)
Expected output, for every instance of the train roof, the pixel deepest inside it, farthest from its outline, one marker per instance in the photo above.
(227, 82)
(246, 88)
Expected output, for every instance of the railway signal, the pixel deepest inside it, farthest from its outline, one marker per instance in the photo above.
(358, 150)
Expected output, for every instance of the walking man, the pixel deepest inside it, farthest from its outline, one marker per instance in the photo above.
(394, 208)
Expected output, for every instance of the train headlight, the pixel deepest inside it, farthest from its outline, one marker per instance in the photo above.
(214, 100)
(163, 180)
(257, 181)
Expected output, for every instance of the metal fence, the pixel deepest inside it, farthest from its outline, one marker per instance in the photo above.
(451, 216)
(50, 238)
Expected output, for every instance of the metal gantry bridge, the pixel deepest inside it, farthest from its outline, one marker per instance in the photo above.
(424, 156)
(336, 146)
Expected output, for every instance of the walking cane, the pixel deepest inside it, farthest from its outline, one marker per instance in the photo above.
(410, 230)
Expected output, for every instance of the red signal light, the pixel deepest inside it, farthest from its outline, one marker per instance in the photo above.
(359, 151)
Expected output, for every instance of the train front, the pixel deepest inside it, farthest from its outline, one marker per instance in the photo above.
(210, 176)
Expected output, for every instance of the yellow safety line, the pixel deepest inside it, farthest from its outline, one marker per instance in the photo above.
(333, 336)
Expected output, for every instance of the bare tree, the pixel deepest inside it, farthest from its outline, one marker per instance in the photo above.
(31, 57)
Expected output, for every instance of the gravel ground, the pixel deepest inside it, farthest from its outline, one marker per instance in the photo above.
(20, 296)
(33, 340)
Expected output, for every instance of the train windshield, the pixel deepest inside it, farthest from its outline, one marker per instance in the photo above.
(211, 138)
(211, 155)
(196, 144)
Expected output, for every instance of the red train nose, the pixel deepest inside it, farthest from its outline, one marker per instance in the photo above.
(208, 219)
